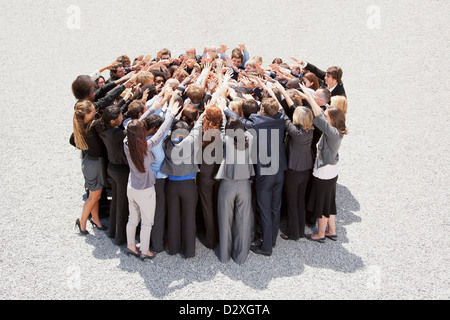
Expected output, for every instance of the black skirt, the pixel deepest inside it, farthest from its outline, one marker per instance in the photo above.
(322, 199)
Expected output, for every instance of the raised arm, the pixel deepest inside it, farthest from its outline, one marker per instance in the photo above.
(317, 110)
(306, 65)
(160, 134)
(288, 99)
(114, 93)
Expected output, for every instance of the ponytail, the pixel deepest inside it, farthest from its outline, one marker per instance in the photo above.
(80, 129)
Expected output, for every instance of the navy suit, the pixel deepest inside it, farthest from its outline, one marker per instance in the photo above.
(270, 166)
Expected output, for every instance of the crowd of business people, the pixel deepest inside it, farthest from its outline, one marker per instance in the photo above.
(210, 145)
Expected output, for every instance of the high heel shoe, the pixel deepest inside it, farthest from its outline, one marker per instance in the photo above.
(96, 226)
(78, 224)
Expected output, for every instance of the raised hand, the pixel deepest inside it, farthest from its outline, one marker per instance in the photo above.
(223, 48)
(247, 96)
(229, 62)
(190, 63)
(279, 87)
(306, 94)
(147, 59)
(300, 62)
(131, 80)
(145, 94)
(274, 67)
(213, 83)
(174, 107)
(227, 76)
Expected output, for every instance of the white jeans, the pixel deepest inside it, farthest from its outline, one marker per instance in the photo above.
(142, 204)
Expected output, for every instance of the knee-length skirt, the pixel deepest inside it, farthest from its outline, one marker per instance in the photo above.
(322, 199)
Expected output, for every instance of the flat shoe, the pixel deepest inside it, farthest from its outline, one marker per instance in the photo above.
(129, 251)
(332, 237)
(321, 240)
(146, 256)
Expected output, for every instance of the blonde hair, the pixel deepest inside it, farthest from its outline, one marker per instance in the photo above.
(258, 59)
(196, 93)
(144, 78)
(304, 117)
(80, 129)
(339, 102)
(236, 107)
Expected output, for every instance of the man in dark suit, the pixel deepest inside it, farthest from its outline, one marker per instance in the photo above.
(332, 78)
(268, 127)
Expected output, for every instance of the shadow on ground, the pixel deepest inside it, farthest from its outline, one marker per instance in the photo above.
(166, 274)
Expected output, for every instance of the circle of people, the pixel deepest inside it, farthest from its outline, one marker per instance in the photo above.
(217, 133)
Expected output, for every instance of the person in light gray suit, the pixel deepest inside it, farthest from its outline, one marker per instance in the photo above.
(235, 212)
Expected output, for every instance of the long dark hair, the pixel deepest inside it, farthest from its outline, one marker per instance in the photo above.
(110, 113)
(238, 128)
(137, 143)
(153, 121)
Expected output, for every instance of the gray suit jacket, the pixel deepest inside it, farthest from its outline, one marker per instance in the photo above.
(329, 143)
(236, 165)
(298, 146)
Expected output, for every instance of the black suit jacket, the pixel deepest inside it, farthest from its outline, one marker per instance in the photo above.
(339, 90)
(269, 161)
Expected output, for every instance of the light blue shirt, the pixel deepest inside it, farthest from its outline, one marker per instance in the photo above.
(159, 154)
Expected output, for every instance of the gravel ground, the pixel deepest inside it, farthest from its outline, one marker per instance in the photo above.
(393, 194)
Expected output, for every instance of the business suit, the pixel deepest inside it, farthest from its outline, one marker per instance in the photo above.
(270, 167)
(300, 162)
(119, 171)
(235, 211)
(181, 191)
(337, 91)
(322, 200)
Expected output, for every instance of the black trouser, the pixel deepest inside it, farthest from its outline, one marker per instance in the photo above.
(295, 183)
(118, 214)
(181, 207)
(159, 223)
(269, 192)
(207, 192)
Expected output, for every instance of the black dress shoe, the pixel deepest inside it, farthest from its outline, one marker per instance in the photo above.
(321, 240)
(257, 250)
